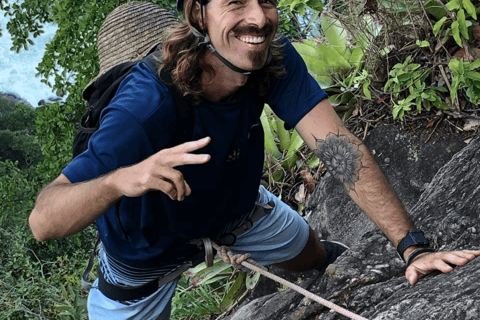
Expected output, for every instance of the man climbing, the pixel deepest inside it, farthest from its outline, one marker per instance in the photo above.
(154, 197)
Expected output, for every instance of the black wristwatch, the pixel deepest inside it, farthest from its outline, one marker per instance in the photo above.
(413, 238)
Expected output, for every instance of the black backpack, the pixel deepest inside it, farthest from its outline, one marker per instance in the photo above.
(102, 91)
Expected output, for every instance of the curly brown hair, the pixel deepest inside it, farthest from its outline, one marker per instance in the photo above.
(183, 59)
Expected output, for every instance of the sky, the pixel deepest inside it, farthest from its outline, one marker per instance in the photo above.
(17, 71)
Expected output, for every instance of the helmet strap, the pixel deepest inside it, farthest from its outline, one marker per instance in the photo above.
(205, 40)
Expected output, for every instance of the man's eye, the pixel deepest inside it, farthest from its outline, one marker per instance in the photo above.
(273, 2)
(234, 2)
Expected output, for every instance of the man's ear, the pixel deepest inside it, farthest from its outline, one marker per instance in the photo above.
(197, 14)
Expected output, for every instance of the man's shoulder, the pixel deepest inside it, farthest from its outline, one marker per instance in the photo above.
(143, 95)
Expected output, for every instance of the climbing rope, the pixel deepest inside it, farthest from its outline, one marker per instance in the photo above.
(255, 266)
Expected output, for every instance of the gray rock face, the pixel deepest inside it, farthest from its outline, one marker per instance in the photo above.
(409, 164)
(368, 279)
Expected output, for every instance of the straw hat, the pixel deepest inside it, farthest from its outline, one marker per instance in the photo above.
(129, 33)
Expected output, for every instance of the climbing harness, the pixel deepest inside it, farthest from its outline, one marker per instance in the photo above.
(253, 265)
(127, 293)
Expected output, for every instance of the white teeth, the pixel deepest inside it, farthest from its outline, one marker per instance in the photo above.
(253, 40)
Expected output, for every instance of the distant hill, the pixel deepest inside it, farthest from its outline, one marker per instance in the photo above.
(14, 98)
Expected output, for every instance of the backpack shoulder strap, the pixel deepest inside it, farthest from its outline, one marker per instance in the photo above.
(183, 109)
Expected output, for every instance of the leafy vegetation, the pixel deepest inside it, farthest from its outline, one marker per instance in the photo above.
(465, 76)
(409, 77)
(364, 54)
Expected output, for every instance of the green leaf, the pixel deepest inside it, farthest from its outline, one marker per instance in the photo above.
(454, 88)
(454, 65)
(418, 102)
(296, 142)
(340, 99)
(235, 292)
(366, 92)
(427, 105)
(413, 66)
(423, 44)
(405, 77)
(474, 65)
(334, 33)
(209, 273)
(301, 9)
(324, 81)
(356, 58)
(441, 89)
(469, 7)
(396, 112)
(472, 75)
(277, 176)
(452, 5)
(282, 134)
(473, 94)
(316, 65)
(270, 145)
(314, 162)
(456, 33)
(462, 23)
(388, 84)
(251, 281)
(332, 58)
(432, 7)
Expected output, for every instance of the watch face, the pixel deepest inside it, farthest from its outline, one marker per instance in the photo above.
(419, 238)
(413, 238)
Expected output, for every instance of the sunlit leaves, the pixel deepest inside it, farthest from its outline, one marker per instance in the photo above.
(462, 23)
(456, 33)
(465, 76)
(470, 8)
(438, 25)
(335, 35)
(452, 5)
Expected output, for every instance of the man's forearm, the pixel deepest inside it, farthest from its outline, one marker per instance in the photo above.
(63, 208)
(348, 160)
(375, 196)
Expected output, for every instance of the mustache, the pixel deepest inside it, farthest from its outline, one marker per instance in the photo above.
(252, 29)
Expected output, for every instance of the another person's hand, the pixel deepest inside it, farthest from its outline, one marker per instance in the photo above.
(157, 172)
(426, 263)
(231, 258)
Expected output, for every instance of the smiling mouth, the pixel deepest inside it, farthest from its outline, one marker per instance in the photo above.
(251, 39)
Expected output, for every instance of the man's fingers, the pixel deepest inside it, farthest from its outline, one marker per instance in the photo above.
(459, 258)
(475, 253)
(412, 276)
(165, 158)
(442, 266)
(188, 191)
(168, 179)
(166, 187)
(232, 258)
(190, 146)
(442, 261)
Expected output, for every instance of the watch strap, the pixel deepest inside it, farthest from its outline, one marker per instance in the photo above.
(413, 238)
(415, 253)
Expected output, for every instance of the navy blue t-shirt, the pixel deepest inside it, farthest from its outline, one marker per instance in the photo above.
(140, 121)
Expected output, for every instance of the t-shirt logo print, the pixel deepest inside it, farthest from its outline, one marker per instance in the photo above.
(232, 156)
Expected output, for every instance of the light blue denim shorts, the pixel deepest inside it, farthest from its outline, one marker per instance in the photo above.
(276, 237)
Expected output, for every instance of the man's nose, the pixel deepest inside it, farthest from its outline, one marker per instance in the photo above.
(256, 14)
